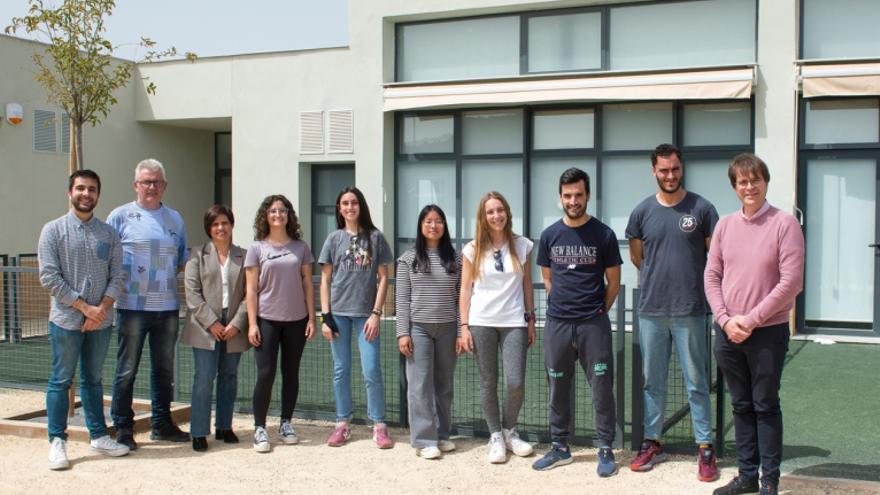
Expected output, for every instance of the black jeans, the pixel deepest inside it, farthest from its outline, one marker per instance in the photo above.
(290, 336)
(587, 341)
(753, 370)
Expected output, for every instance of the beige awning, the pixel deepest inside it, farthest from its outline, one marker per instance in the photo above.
(840, 80)
(691, 85)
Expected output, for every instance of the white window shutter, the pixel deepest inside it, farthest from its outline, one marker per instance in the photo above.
(341, 125)
(311, 132)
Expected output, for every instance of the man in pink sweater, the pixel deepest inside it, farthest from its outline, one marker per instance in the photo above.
(753, 274)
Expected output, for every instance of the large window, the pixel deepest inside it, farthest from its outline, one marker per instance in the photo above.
(452, 158)
(628, 37)
(840, 29)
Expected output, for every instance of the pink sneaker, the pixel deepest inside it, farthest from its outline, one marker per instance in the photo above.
(339, 435)
(381, 437)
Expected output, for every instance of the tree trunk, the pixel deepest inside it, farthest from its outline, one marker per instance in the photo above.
(79, 147)
(72, 158)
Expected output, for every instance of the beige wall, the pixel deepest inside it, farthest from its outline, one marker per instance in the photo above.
(33, 185)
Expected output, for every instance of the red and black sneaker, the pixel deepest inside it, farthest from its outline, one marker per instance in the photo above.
(650, 454)
(707, 470)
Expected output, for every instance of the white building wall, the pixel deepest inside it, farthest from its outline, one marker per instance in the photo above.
(34, 185)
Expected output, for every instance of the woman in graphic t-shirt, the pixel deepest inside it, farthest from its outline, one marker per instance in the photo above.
(281, 311)
(497, 312)
(354, 278)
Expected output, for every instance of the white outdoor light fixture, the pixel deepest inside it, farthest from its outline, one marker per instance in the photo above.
(14, 113)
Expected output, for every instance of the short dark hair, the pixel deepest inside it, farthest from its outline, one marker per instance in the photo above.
(665, 150)
(747, 164)
(573, 176)
(86, 173)
(214, 212)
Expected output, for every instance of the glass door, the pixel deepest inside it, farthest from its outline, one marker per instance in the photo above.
(327, 181)
(839, 202)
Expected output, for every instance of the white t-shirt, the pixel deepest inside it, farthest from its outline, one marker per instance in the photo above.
(224, 277)
(497, 297)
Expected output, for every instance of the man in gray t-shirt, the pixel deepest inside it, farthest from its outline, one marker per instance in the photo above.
(669, 235)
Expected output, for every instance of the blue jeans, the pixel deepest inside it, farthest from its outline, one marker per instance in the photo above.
(68, 348)
(209, 364)
(690, 335)
(370, 352)
(134, 327)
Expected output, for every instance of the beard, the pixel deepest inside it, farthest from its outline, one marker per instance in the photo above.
(666, 189)
(83, 207)
(575, 214)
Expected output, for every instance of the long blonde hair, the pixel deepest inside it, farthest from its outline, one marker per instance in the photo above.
(482, 240)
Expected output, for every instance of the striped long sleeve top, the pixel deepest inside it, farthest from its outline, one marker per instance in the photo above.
(425, 297)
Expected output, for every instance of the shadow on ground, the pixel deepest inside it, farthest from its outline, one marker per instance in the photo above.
(864, 472)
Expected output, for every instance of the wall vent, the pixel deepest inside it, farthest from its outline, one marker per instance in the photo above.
(341, 127)
(44, 131)
(311, 132)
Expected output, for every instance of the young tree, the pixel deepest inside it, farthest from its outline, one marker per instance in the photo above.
(78, 71)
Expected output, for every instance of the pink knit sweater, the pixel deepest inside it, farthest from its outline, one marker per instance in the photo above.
(755, 267)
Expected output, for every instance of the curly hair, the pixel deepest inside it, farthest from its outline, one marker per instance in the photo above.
(261, 222)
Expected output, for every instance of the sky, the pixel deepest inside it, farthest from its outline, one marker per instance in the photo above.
(218, 27)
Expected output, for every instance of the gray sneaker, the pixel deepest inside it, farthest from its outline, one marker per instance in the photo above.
(287, 434)
(109, 447)
(261, 440)
(58, 454)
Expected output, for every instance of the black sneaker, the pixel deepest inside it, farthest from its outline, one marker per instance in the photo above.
(228, 436)
(169, 433)
(125, 437)
(738, 485)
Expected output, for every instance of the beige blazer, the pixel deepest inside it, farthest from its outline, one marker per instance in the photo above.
(204, 297)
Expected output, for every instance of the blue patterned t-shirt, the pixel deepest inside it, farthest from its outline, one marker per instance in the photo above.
(153, 249)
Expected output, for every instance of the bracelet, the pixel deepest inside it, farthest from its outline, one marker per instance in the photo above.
(375, 312)
(464, 325)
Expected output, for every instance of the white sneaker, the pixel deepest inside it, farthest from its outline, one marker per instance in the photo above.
(261, 440)
(515, 444)
(497, 450)
(109, 447)
(431, 452)
(445, 445)
(58, 454)
(287, 434)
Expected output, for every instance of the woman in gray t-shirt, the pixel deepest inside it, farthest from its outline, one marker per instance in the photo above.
(354, 280)
(281, 311)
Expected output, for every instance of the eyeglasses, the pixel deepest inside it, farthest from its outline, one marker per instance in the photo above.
(278, 211)
(433, 223)
(499, 262)
(152, 183)
(744, 183)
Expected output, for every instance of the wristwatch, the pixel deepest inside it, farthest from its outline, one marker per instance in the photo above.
(529, 316)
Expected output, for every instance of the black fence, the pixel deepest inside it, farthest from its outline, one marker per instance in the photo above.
(25, 359)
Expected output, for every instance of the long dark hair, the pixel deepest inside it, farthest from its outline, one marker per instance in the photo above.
(261, 222)
(447, 252)
(365, 221)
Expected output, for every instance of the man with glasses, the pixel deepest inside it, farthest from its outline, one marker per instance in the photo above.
(80, 264)
(669, 235)
(153, 252)
(580, 263)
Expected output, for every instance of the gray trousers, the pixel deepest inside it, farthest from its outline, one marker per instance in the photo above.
(513, 343)
(589, 342)
(429, 374)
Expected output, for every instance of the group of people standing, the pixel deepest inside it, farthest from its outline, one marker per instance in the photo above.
(479, 301)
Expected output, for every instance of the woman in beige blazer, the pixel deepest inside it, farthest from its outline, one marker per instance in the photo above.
(216, 325)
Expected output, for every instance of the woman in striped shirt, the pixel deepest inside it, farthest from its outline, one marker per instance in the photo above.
(428, 279)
